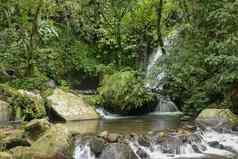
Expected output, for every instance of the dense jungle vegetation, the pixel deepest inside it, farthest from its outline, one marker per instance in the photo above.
(106, 44)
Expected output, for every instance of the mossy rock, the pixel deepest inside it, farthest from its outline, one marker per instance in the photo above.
(36, 128)
(22, 152)
(56, 141)
(124, 93)
(69, 107)
(25, 105)
(217, 117)
(5, 155)
(13, 139)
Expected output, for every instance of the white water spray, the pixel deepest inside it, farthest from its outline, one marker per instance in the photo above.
(197, 146)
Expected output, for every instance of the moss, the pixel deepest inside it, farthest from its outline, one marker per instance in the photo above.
(56, 140)
(24, 106)
(219, 114)
(5, 155)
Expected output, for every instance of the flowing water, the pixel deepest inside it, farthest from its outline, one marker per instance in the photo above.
(207, 144)
(201, 144)
(194, 144)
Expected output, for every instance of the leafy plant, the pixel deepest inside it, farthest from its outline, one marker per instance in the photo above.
(124, 93)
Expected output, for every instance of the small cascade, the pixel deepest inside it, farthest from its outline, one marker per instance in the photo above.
(207, 144)
(83, 152)
(165, 107)
(107, 115)
(200, 144)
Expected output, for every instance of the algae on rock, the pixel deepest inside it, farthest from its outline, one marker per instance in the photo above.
(24, 105)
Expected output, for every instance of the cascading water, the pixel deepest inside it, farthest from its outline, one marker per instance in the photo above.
(83, 152)
(207, 144)
(154, 77)
(200, 144)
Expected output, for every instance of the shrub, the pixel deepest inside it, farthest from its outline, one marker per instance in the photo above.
(124, 93)
(23, 106)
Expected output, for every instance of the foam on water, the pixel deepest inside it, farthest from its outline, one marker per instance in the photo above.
(83, 152)
(166, 112)
(196, 147)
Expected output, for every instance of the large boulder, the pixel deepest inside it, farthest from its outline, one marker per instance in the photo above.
(70, 107)
(118, 151)
(55, 143)
(217, 118)
(5, 111)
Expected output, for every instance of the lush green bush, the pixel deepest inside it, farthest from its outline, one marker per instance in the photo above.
(23, 106)
(202, 66)
(124, 93)
(30, 83)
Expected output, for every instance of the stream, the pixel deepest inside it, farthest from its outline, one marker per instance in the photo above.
(157, 135)
(178, 144)
(139, 125)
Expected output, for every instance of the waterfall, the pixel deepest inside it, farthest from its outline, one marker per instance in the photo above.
(154, 77)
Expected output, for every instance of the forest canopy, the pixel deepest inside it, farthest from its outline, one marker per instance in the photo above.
(69, 41)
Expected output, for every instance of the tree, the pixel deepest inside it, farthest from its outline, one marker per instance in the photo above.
(159, 10)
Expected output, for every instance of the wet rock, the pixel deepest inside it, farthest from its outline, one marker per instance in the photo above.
(217, 118)
(5, 112)
(113, 137)
(142, 154)
(235, 128)
(118, 151)
(69, 107)
(97, 145)
(36, 128)
(144, 141)
(196, 148)
(215, 144)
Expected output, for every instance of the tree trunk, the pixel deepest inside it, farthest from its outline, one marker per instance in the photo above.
(33, 40)
(159, 10)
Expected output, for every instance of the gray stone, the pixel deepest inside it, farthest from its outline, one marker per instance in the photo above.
(97, 145)
(70, 107)
(118, 151)
(5, 112)
(217, 118)
(113, 137)
(144, 141)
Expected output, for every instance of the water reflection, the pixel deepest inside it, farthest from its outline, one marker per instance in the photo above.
(123, 126)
